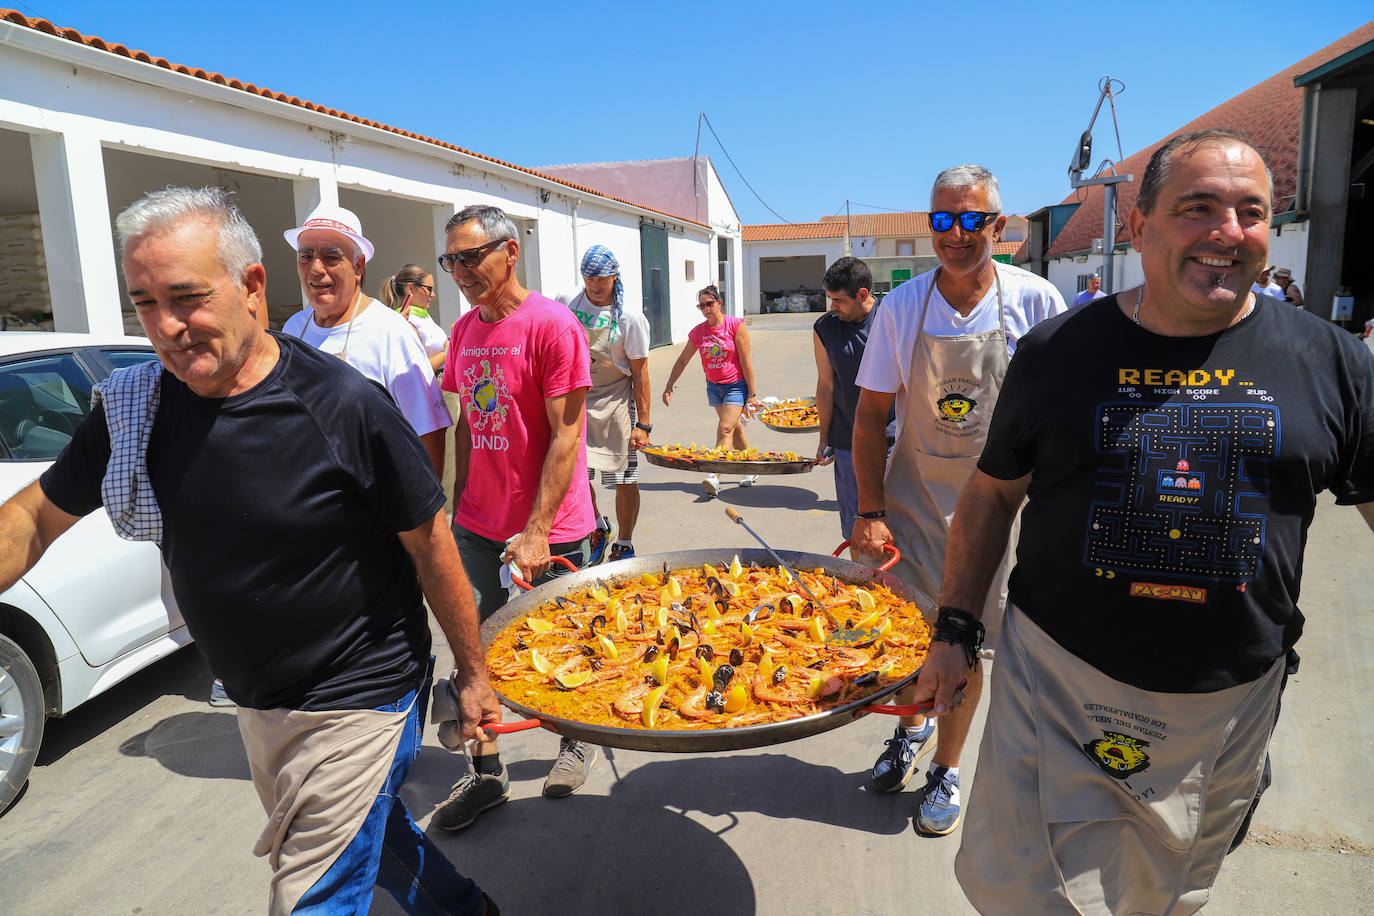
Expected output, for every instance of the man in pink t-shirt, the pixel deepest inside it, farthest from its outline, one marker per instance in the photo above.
(519, 364)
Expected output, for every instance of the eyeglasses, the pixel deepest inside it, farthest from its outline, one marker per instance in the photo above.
(972, 221)
(468, 257)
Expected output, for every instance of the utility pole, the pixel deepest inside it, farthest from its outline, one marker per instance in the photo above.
(1082, 158)
(848, 247)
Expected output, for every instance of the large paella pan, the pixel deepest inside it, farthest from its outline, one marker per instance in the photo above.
(710, 738)
(777, 463)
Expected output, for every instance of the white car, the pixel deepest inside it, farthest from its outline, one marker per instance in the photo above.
(96, 608)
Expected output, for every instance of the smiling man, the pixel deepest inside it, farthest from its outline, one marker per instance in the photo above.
(331, 258)
(939, 351)
(1171, 476)
(306, 596)
(519, 363)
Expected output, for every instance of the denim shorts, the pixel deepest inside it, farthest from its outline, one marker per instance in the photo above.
(721, 394)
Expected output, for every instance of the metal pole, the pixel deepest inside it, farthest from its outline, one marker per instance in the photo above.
(1108, 236)
(848, 248)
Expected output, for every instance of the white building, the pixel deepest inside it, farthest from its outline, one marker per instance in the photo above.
(87, 127)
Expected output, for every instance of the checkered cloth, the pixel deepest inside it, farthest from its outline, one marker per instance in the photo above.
(599, 262)
(130, 396)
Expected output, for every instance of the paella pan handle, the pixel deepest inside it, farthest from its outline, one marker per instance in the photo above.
(505, 728)
(914, 709)
(526, 586)
(890, 548)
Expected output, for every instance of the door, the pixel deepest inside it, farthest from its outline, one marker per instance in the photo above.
(653, 256)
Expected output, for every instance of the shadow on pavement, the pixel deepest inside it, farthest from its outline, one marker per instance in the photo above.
(204, 745)
(763, 495)
(183, 673)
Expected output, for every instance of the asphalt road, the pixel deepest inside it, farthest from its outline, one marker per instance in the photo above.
(141, 803)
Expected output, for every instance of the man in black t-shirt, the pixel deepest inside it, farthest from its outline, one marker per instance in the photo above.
(1170, 482)
(304, 594)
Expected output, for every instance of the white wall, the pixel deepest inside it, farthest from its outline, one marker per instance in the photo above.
(1288, 248)
(831, 249)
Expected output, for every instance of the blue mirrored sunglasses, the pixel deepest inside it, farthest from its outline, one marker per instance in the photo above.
(972, 221)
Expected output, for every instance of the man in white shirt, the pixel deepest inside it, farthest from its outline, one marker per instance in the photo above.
(939, 350)
(1094, 291)
(1265, 286)
(331, 258)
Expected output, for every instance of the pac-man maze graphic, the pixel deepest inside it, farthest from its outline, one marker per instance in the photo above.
(1181, 478)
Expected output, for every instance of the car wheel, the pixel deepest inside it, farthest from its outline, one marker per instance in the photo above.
(21, 719)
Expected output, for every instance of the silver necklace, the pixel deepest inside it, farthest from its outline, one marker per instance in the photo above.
(1135, 313)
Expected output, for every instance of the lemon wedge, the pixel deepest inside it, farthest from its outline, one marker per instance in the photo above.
(539, 626)
(817, 629)
(608, 647)
(574, 678)
(736, 698)
(660, 669)
(648, 579)
(650, 712)
(868, 621)
(865, 598)
(813, 691)
(884, 669)
(731, 587)
(795, 600)
(600, 594)
(735, 568)
(710, 570)
(540, 663)
(747, 632)
(674, 587)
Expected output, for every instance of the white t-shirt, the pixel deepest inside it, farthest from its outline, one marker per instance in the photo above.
(383, 347)
(432, 337)
(1273, 289)
(630, 339)
(1027, 298)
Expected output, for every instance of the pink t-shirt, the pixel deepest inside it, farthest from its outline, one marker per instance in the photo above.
(717, 349)
(503, 372)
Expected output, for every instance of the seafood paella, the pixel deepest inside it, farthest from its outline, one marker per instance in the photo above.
(707, 648)
(792, 417)
(696, 452)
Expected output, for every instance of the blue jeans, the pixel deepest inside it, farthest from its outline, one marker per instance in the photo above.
(846, 491)
(390, 852)
(722, 394)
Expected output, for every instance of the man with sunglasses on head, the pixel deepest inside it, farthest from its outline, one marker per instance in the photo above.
(520, 366)
(1169, 444)
(339, 318)
(939, 350)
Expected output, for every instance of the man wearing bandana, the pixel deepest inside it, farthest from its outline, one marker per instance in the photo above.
(618, 401)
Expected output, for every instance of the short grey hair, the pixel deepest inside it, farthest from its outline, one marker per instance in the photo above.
(965, 176)
(496, 225)
(236, 245)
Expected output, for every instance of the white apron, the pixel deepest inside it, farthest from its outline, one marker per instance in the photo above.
(950, 396)
(608, 404)
(1093, 796)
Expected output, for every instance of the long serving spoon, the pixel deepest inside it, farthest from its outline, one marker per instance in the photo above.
(738, 519)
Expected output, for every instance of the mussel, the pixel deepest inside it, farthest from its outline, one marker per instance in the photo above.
(520, 642)
(848, 623)
(651, 653)
(736, 657)
(780, 674)
(564, 603)
(705, 651)
(864, 680)
(721, 678)
(598, 620)
(674, 645)
(722, 606)
(596, 664)
(715, 701)
(587, 651)
(713, 585)
(762, 612)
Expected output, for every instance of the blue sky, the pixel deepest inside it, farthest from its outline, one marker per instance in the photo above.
(815, 103)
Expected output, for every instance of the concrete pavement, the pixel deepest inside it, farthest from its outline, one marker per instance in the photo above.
(141, 800)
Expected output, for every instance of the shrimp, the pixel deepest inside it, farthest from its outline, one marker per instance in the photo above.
(631, 703)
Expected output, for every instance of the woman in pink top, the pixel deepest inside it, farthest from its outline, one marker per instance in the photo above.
(723, 343)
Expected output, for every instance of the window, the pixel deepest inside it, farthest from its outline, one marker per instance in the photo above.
(122, 359)
(906, 248)
(691, 271)
(42, 401)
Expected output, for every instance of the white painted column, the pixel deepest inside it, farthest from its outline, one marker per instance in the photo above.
(451, 301)
(309, 193)
(78, 242)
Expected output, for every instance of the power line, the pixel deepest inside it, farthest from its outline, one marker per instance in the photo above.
(876, 207)
(736, 168)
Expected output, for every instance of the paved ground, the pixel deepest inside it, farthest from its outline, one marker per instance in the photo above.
(141, 801)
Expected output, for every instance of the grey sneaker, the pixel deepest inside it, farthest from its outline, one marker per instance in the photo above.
(474, 793)
(570, 769)
(217, 695)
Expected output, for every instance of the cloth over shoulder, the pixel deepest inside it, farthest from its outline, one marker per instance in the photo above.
(131, 398)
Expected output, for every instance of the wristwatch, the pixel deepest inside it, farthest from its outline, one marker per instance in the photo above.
(647, 427)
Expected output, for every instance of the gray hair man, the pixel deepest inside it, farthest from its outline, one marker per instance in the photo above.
(939, 352)
(518, 362)
(339, 318)
(305, 596)
(1171, 476)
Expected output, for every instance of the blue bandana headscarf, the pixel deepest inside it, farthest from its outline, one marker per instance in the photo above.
(599, 262)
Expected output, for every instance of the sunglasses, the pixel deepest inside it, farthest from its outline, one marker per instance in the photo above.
(468, 257)
(707, 305)
(972, 221)
(428, 289)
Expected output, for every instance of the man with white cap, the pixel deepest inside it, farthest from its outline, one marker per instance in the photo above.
(1093, 291)
(618, 401)
(331, 258)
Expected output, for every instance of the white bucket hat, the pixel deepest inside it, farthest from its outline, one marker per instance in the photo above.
(332, 216)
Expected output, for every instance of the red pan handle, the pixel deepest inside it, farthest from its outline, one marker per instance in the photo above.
(505, 728)
(890, 548)
(915, 709)
(526, 586)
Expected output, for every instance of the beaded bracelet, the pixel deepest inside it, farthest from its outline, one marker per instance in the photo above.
(960, 628)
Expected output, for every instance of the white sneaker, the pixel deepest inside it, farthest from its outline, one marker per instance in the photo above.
(749, 480)
(711, 484)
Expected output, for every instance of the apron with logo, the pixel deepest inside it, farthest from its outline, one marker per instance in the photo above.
(608, 403)
(950, 396)
(1095, 796)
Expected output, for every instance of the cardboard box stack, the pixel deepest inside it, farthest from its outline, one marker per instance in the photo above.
(25, 303)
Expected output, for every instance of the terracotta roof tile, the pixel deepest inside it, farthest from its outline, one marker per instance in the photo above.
(96, 43)
(1271, 112)
(885, 225)
(779, 232)
(1006, 247)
